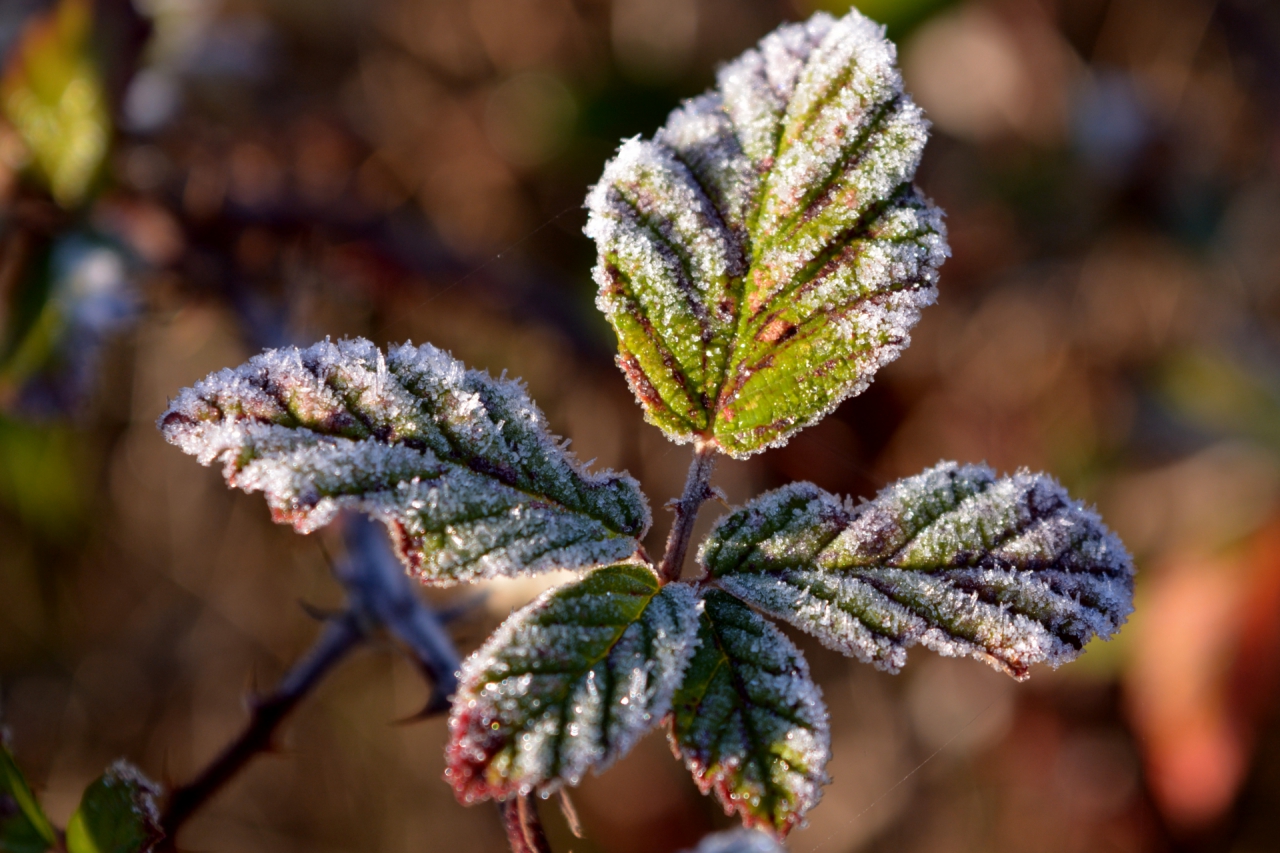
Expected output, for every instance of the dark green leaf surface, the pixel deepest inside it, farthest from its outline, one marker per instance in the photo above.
(765, 253)
(23, 825)
(116, 815)
(569, 683)
(1009, 570)
(748, 721)
(460, 466)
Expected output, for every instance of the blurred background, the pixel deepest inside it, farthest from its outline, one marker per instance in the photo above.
(183, 182)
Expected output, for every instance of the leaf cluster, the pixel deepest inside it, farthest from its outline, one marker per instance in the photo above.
(759, 259)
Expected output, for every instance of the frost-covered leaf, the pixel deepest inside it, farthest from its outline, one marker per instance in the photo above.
(1009, 570)
(569, 683)
(23, 825)
(52, 92)
(738, 841)
(765, 253)
(117, 814)
(748, 721)
(460, 466)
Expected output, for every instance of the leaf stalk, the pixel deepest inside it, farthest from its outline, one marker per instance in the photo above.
(697, 491)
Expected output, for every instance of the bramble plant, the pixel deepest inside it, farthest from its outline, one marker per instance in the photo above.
(760, 258)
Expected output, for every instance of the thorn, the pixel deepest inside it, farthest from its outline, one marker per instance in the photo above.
(673, 504)
(570, 814)
(318, 613)
(717, 494)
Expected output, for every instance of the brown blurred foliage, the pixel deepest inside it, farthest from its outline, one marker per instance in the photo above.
(414, 169)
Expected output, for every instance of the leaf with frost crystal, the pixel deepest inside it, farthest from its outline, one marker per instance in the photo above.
(569, 683)
(748, 721)
(765, 253)
(1009, 570)
(23, 825)
(117, 814)
(460, 466)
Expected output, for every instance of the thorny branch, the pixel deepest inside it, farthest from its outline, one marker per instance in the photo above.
(697, 490)
(342, 635)
(379, 595)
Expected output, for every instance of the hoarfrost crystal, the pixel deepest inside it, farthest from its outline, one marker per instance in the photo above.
(569, 683)
(1009, 570)
(765, 253)
(460, 466)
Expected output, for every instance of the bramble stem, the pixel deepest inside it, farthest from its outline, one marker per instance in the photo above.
(379, 595)
(524, 827)
(339, 638)
(697, 490)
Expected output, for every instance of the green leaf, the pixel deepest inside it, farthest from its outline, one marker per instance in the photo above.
(23, 825)
(117, 814)
(460, 466)
(748, 721)
(569, 683)
(1009, 570)
(52, 93)
(765, 253)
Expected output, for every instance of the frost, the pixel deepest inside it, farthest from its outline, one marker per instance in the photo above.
(738, 841)
(1009, 570)
(569, 683)
(460, 466)
(765, 253)
(748, 721)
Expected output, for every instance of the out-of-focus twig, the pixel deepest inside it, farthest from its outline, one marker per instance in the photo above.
(380, 596)
(376, 582)
(340, 636)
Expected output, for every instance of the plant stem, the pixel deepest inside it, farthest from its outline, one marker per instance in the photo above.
(379, 595)
(377, 583)
(339, 638)
(524, 827)
(697, 490)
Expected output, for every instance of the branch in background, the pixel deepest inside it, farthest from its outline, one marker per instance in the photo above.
(697, 490)
(380, 595)
(339, 638)
(377, 582)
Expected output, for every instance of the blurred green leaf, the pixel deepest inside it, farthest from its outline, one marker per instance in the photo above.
(41, 476)
(1221, 394)
(23, 825)
(77, 292)
(53, 94)
(116, 815)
